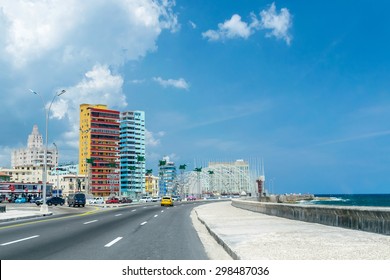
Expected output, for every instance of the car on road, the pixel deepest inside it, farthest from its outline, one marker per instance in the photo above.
(145, 199)
(34, 199)
(125, 200)
(156, 198)
(112, 200)
(191, 198)
(166, 201)
(176, 197)
(97, 200)
(76, 199)
(20, 199)
(55, 200)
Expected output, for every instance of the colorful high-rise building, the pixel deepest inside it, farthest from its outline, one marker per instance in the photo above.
(99, 149)
(167, 174)
(132, 153)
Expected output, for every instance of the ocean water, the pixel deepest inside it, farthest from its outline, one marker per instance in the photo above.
(376, 200)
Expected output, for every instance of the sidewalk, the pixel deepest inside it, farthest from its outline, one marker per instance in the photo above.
(14, 214)
(248, 235)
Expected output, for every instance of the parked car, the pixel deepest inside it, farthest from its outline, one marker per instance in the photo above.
(55, 200)
(125, 200)
(76, 199)
(145, 199)
(176, 197)
(34, 199)
(156, 198)
(191, 198)
(97, 200)
(112, 200)
(166, 201)
(20, 199)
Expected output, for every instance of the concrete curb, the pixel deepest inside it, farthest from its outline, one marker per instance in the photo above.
(25, 217)
(219, 240)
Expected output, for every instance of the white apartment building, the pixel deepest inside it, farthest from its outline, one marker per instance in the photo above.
(33, 155)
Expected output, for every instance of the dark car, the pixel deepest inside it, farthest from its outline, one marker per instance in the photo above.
(125, 200)
(55, 200)
(76, 199)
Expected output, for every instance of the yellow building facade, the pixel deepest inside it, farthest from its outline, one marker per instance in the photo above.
(99, 149)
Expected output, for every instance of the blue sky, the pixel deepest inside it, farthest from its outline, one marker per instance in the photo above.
(302, 85)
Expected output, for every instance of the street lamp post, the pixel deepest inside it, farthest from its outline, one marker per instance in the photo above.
(44, 207)
(57, 171)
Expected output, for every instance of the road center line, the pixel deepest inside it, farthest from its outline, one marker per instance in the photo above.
(113, 242)
(19, 240)
(86, 223)
(144, 223)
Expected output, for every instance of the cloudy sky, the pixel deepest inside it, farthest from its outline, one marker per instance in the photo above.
(303, 85)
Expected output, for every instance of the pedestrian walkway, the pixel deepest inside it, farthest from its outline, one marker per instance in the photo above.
(249, 235)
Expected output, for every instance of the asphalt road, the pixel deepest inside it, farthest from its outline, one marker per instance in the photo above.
(142, 232)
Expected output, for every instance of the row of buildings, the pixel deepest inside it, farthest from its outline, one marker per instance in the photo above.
(111, 158)
(111, 162)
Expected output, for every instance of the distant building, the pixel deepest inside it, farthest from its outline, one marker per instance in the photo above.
(167, 174)
(33, 155)
(132, 153)
(151, 185)
(66, 179)
(98, 149)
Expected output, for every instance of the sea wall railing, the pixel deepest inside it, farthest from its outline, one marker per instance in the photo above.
(371, 219)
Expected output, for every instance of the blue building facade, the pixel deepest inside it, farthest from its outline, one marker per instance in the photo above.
(132, 153)
(167, 174)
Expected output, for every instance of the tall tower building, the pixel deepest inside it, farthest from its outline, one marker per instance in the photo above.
(167, 174)
(132, 153)
(99, 149)
(33, 155)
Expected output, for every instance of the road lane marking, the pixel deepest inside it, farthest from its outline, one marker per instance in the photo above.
(19, 240)
(144, 223)
(155, 216)
(133, 210)
(118, 215)
(162, 211)
(86, 223)
(113, 242)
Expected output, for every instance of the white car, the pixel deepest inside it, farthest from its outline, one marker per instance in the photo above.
(156, 198)
(145, 199)
(97, 200)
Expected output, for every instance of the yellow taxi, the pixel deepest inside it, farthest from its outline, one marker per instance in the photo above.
(166, 201)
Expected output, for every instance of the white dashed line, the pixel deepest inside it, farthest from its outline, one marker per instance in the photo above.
(19, 240)
(118, 215)
(144, 223)
(86, 223)
(113, 242)
(134, 210)
(162, 211)
(155, 216)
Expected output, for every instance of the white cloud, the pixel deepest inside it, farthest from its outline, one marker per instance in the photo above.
(151, 139)
(180, 83)
(192, 24)
(279, 24)
(230, 29)
(78, 31)
(235, 27)
(99, 86)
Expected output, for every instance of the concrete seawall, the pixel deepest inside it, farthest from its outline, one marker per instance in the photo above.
(371, 219)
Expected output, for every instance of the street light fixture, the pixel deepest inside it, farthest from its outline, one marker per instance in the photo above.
(44, 207)
(57, 171)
